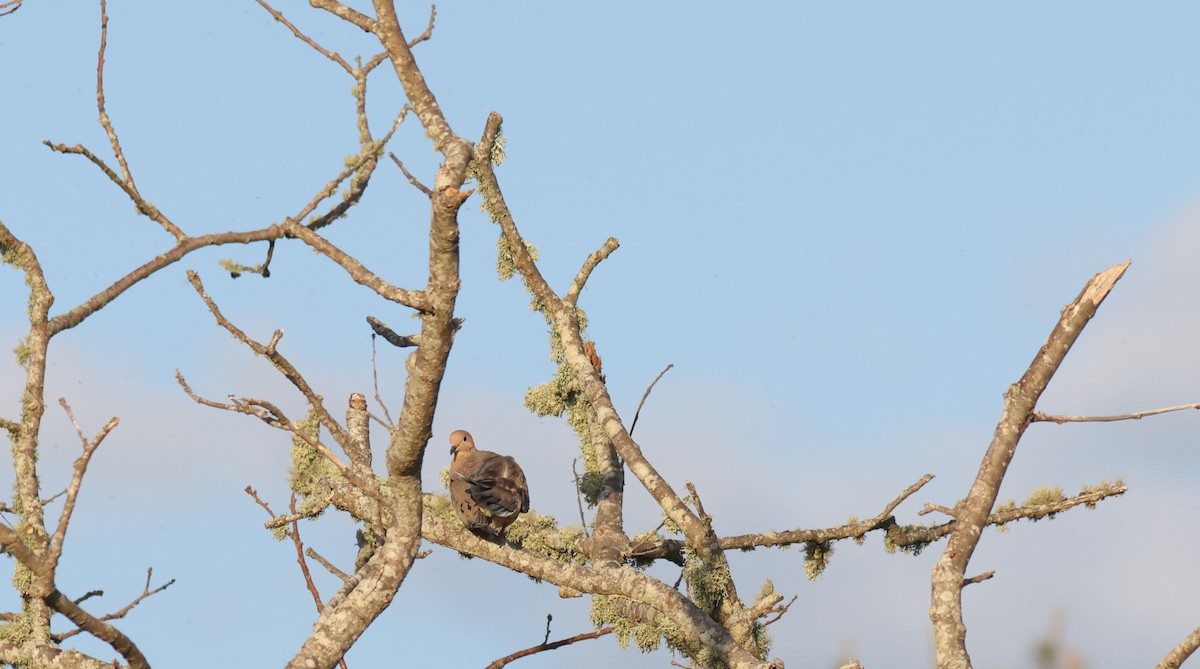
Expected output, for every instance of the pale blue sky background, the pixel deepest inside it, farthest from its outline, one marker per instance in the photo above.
(849, 226)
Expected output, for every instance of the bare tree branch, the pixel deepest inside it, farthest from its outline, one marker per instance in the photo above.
(9, 7)
(623, 581)
(342, 11)
(77, 315)
(645, 395)
(123, 611)
(44, 589)
(418, 300)
(289, 371)
(408, 175)
(544, 646)
(950, 632)
(1182, 652)
(375, 382)
(428, 30)
(81, 464)
(1051, 418)
(126, 181)
(390, 336)
(331, 55)
(576, 287)
(346, 614)
(328, 565)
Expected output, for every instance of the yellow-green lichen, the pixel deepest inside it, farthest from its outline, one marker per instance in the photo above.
(1045, 495)
(816, 558)
(311, 473)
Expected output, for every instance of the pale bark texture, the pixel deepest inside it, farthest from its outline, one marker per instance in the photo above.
(701, 617)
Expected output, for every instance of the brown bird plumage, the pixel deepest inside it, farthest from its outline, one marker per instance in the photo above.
(488, 490)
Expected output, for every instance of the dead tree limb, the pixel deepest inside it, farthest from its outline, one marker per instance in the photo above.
(949, 574)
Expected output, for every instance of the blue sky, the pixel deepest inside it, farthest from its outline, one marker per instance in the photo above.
(849, 227)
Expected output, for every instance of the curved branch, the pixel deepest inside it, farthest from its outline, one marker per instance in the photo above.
(576, 287)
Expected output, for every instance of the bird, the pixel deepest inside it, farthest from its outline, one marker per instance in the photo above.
(488, 490)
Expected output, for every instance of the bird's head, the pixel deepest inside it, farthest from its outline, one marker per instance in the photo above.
(461, 442)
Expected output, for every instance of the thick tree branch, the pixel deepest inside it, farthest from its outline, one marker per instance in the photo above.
(32, 354)
(623, 582)
(564, 317)
(950, 632)
(347, 614)
(1183, 651)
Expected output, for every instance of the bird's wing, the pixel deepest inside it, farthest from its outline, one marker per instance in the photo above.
(496, 483)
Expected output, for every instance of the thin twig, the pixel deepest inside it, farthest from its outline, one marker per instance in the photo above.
(123, 611)
(299, 545)
(312, 587)
(779, 613)
(80, 468)
(579, 499)
(931, 508)
(281, 521)
(126, 180)
(15, 4)
(645, 395)
(1051, 418)
(271, 415)
(549, 646)
(362, 169)
(428, 31)
(331, 55)
(88, 595)
(408, 175)
(328, 565)
(375, 380)
(266, 507)
(281, 363)
(979, 578)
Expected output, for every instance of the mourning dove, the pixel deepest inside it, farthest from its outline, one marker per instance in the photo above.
(488, 490)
